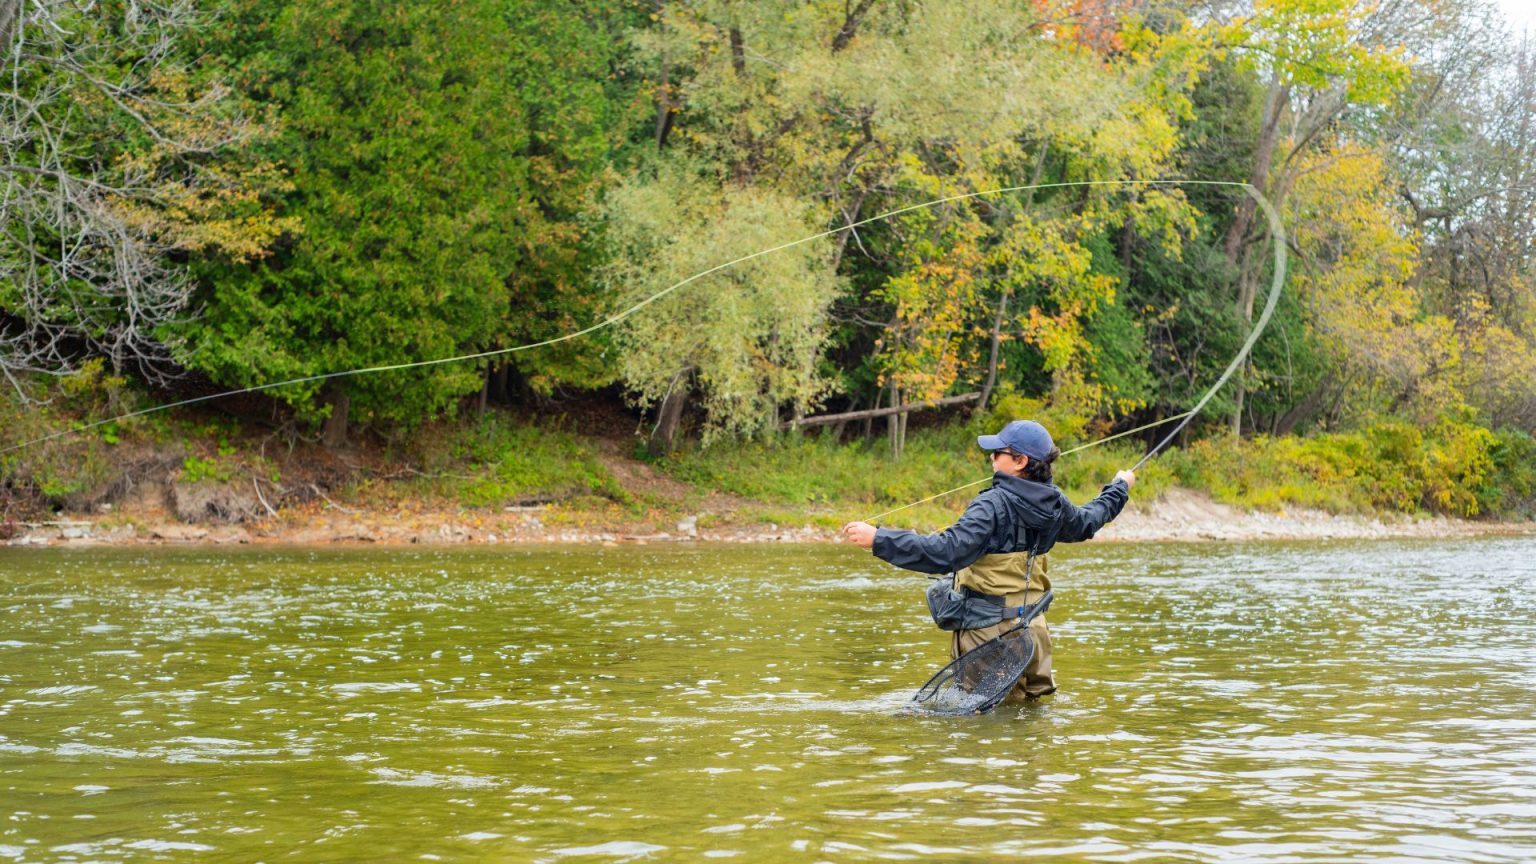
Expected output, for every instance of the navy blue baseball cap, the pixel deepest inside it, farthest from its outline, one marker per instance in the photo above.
(1020, 436)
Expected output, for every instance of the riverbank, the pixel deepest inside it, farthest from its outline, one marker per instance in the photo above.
(500, 479)
(1176, 515)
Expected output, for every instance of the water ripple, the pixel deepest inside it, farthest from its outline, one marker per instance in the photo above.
(1258, 702)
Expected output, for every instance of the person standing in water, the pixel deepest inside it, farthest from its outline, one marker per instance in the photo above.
(989, 548)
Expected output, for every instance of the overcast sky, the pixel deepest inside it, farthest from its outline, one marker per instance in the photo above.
(1521, 13)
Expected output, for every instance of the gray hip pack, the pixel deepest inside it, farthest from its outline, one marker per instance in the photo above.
(965, 609)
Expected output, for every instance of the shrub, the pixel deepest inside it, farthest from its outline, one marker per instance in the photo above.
(1457, 463)
(1510, 486)
(55, 472)
(508, 462)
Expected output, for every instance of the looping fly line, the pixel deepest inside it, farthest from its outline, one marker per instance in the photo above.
(1277, 238)
(1274, 220)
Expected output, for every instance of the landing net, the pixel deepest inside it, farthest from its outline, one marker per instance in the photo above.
(981, 678)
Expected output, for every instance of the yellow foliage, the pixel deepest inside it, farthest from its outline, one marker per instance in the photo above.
(1315, 43)
(1357, 264)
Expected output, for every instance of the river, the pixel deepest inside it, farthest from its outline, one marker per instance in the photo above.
(1263, 702)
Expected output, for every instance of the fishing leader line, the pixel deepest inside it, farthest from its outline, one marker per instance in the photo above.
(620, 316)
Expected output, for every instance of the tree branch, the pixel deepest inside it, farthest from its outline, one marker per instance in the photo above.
(826, 419)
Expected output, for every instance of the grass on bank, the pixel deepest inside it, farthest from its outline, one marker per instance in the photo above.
(496, 461)
(813, 479)
(1452, 466)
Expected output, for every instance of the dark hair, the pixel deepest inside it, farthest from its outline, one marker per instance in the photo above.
(1039, 470)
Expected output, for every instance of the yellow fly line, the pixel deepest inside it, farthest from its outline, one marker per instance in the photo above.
(621, 315)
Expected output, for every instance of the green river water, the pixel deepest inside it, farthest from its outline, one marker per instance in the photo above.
(1274, 702)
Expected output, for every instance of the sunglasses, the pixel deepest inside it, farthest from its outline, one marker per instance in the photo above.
(997, 453)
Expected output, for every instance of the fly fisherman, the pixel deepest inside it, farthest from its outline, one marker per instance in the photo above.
(1015, 521)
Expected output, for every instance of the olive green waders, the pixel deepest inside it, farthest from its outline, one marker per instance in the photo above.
(1004, 574)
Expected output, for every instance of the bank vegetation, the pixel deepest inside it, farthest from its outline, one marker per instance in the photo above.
(207, 196)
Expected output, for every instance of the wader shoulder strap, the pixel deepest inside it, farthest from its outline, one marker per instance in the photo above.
(1030, 611)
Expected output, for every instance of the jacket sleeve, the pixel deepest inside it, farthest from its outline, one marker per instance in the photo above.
(956, 546)
(1081, 523)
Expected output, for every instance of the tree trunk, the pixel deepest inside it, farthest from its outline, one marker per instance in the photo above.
(1287, 421)
(1276, 100)
(1002, 306)
(485, 391)
(738, 53)
(842, 421)
(871, 413)
(665, 110)
(1128, 249)
(501, 389)
(335, 433)
(997, 341)
(849, 216)
(850, 25)
(1239, 396)
(10, 16)
(1275, 103)
(670, 415)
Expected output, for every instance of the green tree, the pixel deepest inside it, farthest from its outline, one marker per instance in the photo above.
(581, 111)
(747, 338)
(440, 154)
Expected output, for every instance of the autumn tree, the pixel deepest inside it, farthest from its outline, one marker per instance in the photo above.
(870, 107)
(1464, 144)
(1318, 59)
(1355, 272)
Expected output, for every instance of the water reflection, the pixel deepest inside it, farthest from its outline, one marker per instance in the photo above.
(1267, 702)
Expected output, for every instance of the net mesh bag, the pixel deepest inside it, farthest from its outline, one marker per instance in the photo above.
(981, 678)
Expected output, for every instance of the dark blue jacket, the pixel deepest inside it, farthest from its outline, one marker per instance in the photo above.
(990, 524)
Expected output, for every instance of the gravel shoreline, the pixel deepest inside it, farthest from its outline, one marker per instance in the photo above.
(1179, 516)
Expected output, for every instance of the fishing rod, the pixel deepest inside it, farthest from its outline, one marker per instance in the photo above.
(1279, 242)
(631, 310)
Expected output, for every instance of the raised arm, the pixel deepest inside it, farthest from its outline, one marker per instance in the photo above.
(1081, 523)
